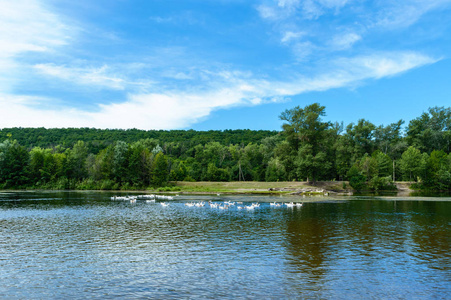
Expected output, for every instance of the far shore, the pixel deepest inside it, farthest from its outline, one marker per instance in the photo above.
(326, 188)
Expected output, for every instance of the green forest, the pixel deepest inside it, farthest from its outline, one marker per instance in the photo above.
(307, 148)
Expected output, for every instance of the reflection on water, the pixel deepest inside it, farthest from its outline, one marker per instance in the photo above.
(82, 245)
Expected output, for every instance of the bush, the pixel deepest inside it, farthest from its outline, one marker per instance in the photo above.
(356, 180)
(381, 183)
(107, 185)
(189, 179)
(443, 180)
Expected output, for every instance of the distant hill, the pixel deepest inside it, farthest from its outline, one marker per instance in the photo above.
(98, 139)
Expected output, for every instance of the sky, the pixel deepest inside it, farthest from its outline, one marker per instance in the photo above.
(220, 64)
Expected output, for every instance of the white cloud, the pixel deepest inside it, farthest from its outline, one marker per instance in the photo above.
(345, 41)
(376, 66)
(288, 3)
(302, 50)
(267, 12)
(393, 14)
(311, 9)
(181, 109)
(84, 76)
(26, 26)
(333, 3)
(290, 35)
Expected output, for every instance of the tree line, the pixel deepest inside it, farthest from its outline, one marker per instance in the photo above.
(307, 148)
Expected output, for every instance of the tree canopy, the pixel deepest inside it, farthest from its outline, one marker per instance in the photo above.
(307, 148)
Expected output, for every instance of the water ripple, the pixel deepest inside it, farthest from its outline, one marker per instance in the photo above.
(84, 246)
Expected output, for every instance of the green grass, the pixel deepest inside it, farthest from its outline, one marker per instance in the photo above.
(248, 187)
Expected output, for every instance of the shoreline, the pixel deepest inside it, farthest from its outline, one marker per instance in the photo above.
(291, 188)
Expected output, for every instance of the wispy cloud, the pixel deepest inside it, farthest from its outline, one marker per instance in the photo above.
(321, 27)
(290, 36)
(184, 18)
(302, 50)
(399, 15)
(345, 41)
(26, 26)
(384, 64)
(180, 109)
(84, 76)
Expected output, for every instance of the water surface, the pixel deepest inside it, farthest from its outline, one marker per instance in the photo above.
(83, 245)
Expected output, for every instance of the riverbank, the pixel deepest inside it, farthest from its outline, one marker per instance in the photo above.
(338, 188)
(286, 187)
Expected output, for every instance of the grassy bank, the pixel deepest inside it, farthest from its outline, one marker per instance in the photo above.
(254, 187)
(237, 187)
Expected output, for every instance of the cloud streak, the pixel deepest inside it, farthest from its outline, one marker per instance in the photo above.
(26, 26)
(181, 109)
(83, 76)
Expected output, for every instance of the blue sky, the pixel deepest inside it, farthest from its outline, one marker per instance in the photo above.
(222, 64)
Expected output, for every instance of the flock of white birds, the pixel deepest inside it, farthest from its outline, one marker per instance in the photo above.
(217, 205)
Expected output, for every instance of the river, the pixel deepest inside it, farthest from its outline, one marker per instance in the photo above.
(81, 245)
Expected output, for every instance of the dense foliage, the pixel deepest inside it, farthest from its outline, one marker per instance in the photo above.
(98, 139)
(307, 148)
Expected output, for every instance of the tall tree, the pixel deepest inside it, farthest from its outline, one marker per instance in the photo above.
(160, 169)
(14, 161)
(76, 167)
(388, 139)
(431, 131)
(306, 132)
(411, 163)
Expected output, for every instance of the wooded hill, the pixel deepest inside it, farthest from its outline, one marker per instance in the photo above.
(98, 139)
